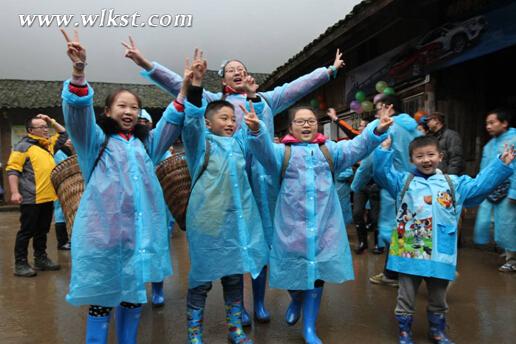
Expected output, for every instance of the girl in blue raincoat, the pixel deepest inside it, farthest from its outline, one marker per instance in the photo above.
(119, 237)
(502, 204)
(223, 225)
(424, 240)
(310, 244)
(237, 88)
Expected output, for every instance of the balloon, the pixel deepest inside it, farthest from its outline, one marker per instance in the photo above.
(380, 86)
(360, 96)
(367, 106)
(377, 98)
(389, 91)
(419, 114)
(355, 106)
(320, 98)
(322, 106)
(314, 103)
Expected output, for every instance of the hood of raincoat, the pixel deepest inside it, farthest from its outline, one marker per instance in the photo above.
(319, 139)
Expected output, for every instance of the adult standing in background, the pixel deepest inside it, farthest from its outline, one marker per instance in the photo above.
(449, 142)
(28, 169)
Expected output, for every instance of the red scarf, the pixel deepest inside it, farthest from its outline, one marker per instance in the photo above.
(229, 90)
(319, 139)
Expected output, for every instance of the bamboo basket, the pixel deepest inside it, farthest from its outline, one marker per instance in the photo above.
(69, 186)
(175, 181)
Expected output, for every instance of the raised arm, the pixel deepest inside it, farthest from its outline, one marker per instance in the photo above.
(283, 97)
(363, 174)
(78, 111)
(385, 174)
(342, 124)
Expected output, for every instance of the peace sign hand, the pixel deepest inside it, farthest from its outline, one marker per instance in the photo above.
(187, 78)
(250, 117)
(199, 67)
(508, 154)
(249, 86)
(75, 51)
(133, 53)
(339, 62)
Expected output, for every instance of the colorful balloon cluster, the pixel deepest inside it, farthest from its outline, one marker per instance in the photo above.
(318, 103)
(360, 104)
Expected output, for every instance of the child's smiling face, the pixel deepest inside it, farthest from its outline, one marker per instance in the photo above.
(124, 111)
(222, 122)
(304, 125)
(426, 158)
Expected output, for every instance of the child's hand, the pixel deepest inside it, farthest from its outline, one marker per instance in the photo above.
(46, 118)
(387, 143)
(133, 53)
(199, 67)
(508, 154)
(385, 111)
(332, 114)
(250, 117)
(187, 78)
(250, 86)
(339, 62)
(75, 51)
(384, 124)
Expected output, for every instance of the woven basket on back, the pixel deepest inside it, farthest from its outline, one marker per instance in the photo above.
(175, 181)
(69, 185)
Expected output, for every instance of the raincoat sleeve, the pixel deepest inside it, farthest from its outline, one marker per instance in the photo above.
(194, 136)
(283, 97)
(86, 135)
(269, 154)
(385, 174)
(363, 174)
(345, 176)
(474, 190)
(165, 134)
(346, 153)
(170, 81)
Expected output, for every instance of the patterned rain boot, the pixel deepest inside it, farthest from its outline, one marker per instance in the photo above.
(437, 326)
(158, 298)
(259, 284)
(405, 325)
(194, 317)
(311, 304)
(246, 319)
(234, 321)
(127, 321)
(294, 309)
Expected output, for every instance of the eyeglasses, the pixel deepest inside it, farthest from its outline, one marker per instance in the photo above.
(301, 122)
(42, 127)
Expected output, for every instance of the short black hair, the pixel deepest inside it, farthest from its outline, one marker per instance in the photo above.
(215, 106)
(503, 114)
(292, 112)
(423, 141)
(392, 100)
(28, 122)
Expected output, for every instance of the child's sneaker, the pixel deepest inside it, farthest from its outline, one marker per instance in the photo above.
(383, 280)
(507, 267)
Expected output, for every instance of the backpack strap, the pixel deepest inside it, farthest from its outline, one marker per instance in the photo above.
(405, 187)
(452, 190)
(286, 158)
(204, 165)
(329, 159)
(101, 152)
(324, 151)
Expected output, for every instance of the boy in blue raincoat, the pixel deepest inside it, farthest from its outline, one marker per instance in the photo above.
(223, 225)
(343, 185)
(238, 87)
(424, 241)
(119, 237)
(310, 244)
(63, 242)
(502, 204)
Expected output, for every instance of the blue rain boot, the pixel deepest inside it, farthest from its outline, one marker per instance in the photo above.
(405, 325)
(158, 299)
(311, 304)
(294, 309)
(437, 327)
(97, 329)
(260, 313)
(234, 321)
(194, 318)
(127, 321)
(246, 319)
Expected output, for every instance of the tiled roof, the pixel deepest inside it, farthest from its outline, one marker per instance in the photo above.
(44, 94)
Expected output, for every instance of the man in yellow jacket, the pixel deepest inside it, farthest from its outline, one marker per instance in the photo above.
(28, 170)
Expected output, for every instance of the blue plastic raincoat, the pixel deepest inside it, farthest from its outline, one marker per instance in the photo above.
(505, 211)
(424, 240)
(402, 132)
(343, 185)
(58, 210)
(224, 229)
(119, 237)
(265, 188)
(310, 240)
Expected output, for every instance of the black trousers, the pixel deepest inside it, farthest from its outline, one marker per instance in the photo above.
(35, 222)
(61, 234)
